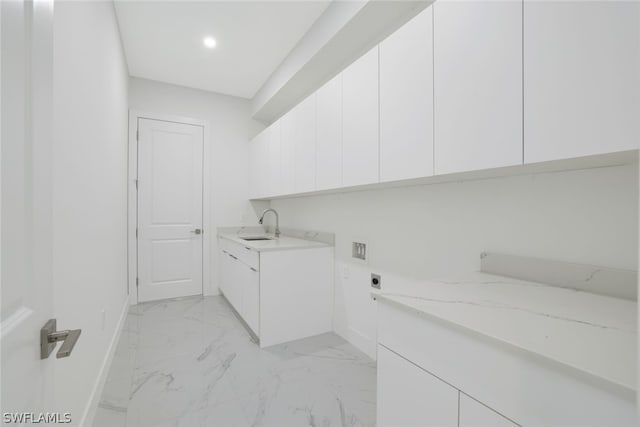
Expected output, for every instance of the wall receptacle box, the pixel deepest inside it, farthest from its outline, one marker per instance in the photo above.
(359, 250)
(376, 281)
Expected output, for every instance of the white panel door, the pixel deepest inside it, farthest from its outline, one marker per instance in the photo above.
(409, 396)
(329, 135)
(27, 291)
(581, 78)
(475, 414)
(305, 145)
(169, 209)
(406, 100)
(360, 121)
(478, 84)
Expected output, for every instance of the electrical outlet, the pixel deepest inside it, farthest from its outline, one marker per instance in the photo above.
(359, 250)
(376, 281)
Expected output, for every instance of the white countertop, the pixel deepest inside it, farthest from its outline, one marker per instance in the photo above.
(279, 244)
(591, 333)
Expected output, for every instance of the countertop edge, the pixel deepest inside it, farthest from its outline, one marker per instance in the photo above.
(311, 245)
(627, 390)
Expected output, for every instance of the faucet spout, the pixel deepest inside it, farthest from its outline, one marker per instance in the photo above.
(277, 232)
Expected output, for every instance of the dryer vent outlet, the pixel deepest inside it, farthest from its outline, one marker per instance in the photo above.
(375, 281)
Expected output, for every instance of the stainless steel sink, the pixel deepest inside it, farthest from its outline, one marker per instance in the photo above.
(250, 239)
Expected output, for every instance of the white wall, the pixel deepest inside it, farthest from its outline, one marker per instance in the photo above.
(587, 216)
(231, 128)
(89, 192)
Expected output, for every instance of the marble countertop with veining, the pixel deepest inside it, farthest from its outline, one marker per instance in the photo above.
(591, 333)
(274, 244)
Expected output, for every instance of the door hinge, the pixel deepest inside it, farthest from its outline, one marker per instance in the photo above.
(137, 282)
(136, 233)
(137, 135)
(137, 181)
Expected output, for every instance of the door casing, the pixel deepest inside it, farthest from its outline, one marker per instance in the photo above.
(132, 199)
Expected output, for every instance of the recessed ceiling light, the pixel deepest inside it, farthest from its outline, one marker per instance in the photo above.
(209, 42)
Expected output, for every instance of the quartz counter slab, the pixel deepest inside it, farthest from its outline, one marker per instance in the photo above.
(590, 333)
(279, 244)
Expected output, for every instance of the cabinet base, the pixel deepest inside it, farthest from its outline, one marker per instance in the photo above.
(255, 338)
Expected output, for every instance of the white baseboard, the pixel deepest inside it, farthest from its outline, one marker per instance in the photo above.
(92, 405)
(358, 340)
(213, 290)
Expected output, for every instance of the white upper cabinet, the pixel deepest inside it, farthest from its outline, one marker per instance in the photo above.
(329, 135)
(253, 164)
(305, 145)
(272, 159)
(581, 78)
(258, 152)
(287, 153)
(478, 84)
(360, 160)
(406, 100)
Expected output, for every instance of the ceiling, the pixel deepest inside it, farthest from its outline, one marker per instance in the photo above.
(163, 40)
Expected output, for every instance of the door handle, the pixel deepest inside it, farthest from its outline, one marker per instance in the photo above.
(49, 337)
(197, 231)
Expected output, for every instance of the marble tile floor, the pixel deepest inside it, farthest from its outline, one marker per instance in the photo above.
(190, 362)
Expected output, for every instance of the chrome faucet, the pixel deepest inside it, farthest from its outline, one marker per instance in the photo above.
(277, 233)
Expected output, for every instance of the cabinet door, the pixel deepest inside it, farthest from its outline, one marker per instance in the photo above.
(256, 168)
(581, 78)
(329, 135)
(253, 162)
(233, 286)
(305, 145)
(223, 272)
(475, 414)
(478, 84)
(251, 298)
(272, 158)
(406, 100)
(409, 396)
(360, 121)
(287, 153)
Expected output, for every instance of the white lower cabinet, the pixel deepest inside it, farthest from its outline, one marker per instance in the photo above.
(499, 386)
(281, 295)
(475, 414)
(240, 284)
(251, 297)
(409, 396)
